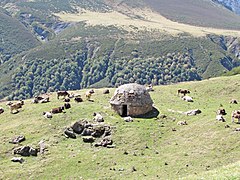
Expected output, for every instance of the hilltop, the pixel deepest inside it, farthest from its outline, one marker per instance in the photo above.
(202, 149)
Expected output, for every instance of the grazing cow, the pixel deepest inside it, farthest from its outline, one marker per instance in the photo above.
(16, 106)
(98, 117)
(183, 91)
(187, 98)
(220, 118)
(88, 95)
(236, 114)
(221, 111)
(9, 103)
(182, 123)
(57, 110)
(233, 101)
(62, 93)
(47, 114)
(1, 110)
(78, 99)
(67, 105)
(45, 100)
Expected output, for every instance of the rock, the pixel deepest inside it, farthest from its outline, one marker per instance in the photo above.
(98, 132)
(17, 159)
(104, 142)
(134, 169)
(87, 132)
(42, 146)
(237, 129)
(98, 117)
(1, 110)
(88, 139)
(33, 152)
(70, 134)
(78, 127)
(106, 91)
(128, 119)
(163, 116)
(193, 112)
(25, 151)
(47, 115)
(18, 139)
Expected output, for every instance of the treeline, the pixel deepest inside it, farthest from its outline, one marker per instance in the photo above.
(40, 76)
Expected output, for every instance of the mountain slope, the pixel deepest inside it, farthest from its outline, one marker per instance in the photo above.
(233, 5)
(14, 37)
(203, 148)
(196, 12)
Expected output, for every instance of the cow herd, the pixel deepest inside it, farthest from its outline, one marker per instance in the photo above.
(64, 95)
(220, 113)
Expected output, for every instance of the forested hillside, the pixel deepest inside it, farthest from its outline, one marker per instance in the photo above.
(61, 45)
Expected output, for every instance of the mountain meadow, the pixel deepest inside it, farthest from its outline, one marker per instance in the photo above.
(147, 148)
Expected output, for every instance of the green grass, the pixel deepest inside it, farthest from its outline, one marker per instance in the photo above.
(202, 149)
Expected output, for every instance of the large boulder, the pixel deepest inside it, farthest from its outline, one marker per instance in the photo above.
(25, 151)
(78, 127)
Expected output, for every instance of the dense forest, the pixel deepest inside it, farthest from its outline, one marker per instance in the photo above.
(35, 77)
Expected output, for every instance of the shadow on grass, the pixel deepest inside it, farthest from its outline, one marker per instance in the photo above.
(152, 114)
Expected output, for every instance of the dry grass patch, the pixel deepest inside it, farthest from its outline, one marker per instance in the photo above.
(148, 20)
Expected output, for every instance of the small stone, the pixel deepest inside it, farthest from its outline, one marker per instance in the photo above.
(17, 159)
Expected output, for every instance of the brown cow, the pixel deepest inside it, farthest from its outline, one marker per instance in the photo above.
(16, 106)
(236, 114)
(57, 110)
(183, 91)
(62, 93)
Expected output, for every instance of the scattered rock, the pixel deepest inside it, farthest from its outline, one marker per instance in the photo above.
(227, 126)
(106, 91)
(237, 129)
(104, 142)
(88, 139)
(220, 118)
(233, 101)
(18, 139)
(78, 127)
(17, 159)
(47, 115)
(128, 119)
(42, 147)
(1, 110)
(98, 117)
(182, 123)
(70, 134)
(134, 169)
(163, 116)
(193, 112)
(25, 151)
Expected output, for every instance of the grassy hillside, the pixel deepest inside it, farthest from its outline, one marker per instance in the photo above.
(196, 12)
(202, 149)
(14, 37)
